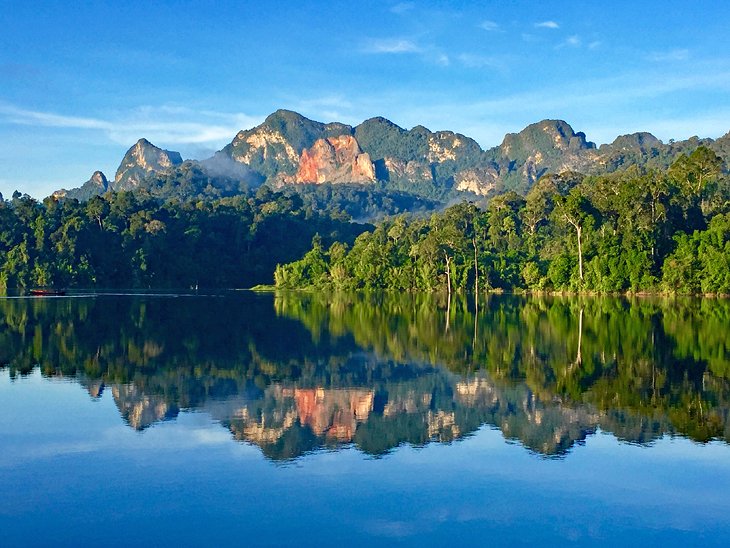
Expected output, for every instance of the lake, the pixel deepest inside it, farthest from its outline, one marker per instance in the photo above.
(301, 418)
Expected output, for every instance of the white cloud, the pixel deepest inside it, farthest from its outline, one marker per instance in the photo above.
(547, 25)
(668, 56)
(712, 124)
(470, 60)
(403, 7)
(570, 42)
(332, 101)
(159, 124)
(20, 116)
(490, 26)
(606, 91)
(443, 60)
(392, 45)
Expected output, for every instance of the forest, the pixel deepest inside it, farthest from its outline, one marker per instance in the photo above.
(636, 230)
(134, 240)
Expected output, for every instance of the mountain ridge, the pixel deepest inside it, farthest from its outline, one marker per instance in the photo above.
(288, 149)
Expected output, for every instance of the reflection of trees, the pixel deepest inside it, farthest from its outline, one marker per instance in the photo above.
(379, 370)
(664, 362)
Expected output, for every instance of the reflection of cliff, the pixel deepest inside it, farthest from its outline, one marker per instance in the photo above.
(377, 371)
(333, 413)
(287, 422)
(141, 410)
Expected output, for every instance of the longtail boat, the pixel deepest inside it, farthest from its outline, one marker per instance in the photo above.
(47, 292)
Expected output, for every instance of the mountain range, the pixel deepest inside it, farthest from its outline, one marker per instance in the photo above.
(288, 149)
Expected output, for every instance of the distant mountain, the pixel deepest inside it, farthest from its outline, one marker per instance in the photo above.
(96, 185)
(288, 149)
(547, 146)
(141, 160)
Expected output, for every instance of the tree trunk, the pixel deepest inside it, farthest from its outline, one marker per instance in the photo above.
(476, 268)
(448, 272)
(579, 230)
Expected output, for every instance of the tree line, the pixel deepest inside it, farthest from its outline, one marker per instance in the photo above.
(638, 230)
(134, 240)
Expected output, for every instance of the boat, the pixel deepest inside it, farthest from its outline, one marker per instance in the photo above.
(47, 292)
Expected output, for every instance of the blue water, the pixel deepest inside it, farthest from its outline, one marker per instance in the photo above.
(129, 431)
(73, 473)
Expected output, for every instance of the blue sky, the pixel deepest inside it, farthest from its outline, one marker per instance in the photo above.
(81, 82)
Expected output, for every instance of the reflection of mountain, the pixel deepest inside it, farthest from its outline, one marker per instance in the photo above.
(140, 410)
(287, 421)
(376, 372)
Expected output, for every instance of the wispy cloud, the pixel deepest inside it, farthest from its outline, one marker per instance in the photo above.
(713, 124)
(20, 116)
(326, 101)
(326, 108)
(668, 56)
(487, 120)
(490, 26)
(391, 45)
(570, 42)
(159, 124)
(470, 60)
(608, 91)
(403, 7)
(443, 60)
(547, 25)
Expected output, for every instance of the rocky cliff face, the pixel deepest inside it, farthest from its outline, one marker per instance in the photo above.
(335, 160)
(141, 160)
(290, 149)
(273, 148)
(480, 181)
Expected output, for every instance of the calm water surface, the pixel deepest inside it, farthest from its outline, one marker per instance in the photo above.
(322, 419)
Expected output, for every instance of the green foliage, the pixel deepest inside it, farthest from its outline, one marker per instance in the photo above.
(360, 202)
(132, 240)
(624, 232)
(701, 262)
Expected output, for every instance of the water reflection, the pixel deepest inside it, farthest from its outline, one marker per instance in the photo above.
(295, 373)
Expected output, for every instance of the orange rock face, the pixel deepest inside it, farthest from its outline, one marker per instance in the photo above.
(335, 160)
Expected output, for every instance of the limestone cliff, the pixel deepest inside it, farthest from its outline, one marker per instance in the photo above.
(273, 148)
(141, 160)
(335, 160)
(480, 181)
